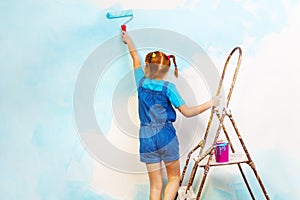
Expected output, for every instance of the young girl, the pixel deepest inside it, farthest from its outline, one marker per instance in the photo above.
(156, 98)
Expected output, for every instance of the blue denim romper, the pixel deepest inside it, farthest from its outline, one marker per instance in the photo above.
(158, 140)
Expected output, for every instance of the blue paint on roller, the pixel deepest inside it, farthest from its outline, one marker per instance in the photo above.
(119, 14)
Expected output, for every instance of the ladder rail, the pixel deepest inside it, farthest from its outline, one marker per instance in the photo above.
(220, 85)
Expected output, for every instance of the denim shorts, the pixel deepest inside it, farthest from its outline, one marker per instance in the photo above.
(158, 143)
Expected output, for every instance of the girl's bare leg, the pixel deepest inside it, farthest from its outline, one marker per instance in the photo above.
(156, 184)
(173, 172)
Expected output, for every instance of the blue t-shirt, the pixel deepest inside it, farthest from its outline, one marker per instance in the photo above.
(157, 85)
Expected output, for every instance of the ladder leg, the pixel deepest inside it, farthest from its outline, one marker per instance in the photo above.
(246, 182)
(184, 170)
(251, 164)
(200, 144)
(206, 169)
(192, 177)
(194, 170)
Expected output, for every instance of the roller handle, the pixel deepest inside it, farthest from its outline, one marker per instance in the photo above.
(123, 27)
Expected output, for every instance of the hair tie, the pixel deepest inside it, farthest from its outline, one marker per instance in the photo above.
(168, 57)
(153, 55)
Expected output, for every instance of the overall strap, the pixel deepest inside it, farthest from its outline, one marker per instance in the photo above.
(165, 86)
(142, 81)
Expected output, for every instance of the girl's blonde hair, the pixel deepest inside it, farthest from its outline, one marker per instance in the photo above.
(158, 64)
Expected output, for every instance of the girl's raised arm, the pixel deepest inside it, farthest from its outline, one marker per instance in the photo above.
(133, 53)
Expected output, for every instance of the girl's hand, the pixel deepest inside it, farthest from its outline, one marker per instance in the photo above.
(125, 37)
(215, 101)
(131, 48)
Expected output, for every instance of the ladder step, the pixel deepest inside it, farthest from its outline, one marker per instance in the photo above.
(190, 195)
(234, 158)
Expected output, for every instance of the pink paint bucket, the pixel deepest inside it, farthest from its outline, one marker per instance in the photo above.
(222, 152)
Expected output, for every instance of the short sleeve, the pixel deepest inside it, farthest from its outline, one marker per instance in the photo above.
(138, 75)
(174, 96)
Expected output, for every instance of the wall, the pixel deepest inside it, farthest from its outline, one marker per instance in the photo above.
(44, 45)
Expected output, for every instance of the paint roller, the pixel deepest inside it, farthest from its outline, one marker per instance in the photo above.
(121, 14)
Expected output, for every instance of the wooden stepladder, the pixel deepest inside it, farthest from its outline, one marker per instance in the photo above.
(206, 158)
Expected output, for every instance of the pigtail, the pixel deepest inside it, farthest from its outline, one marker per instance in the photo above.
(176, 68)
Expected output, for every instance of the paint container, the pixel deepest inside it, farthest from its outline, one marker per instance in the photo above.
(222, 152)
